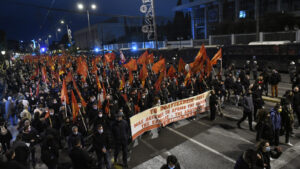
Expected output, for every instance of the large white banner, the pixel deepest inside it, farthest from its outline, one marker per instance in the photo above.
(168, 113)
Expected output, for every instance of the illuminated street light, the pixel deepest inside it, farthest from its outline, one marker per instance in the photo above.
(62, 21)
(93, 6)
(49, 36)
(58, 30)
(3, 52)
(40, 39)
(80, 6)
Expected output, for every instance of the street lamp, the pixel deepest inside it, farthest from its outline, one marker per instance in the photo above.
(49, 36)
(80, 6)
(58, 30)
(62, 21)
(3, 52)
(40, 39)
(93, 6)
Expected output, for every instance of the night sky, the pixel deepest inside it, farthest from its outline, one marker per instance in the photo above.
(30, 19)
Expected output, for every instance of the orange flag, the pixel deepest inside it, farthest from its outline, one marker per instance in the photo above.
(181, 66)
(69, 77)
(130, 77)
(110, 57)
(217, 56)
(98, 83)
(158, 66)
(143, 74)
(171, 71)
(82, 68)
(150, 58)
(64, 93)
(131, 65)
(122, 84)
(44, 75)
(143, 58)
(187, 78)
(159, 80)
(201, 53)
(79, 94)
(75, 108)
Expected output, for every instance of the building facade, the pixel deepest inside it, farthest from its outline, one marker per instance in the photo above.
(206, 13)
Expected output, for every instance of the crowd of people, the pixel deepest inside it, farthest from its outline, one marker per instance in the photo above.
(104, 94)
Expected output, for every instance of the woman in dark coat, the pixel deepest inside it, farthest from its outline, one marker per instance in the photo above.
(5, 137)
(264, 153)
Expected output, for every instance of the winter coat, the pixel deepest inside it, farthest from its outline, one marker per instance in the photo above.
(100, 141)
(49, 154)
(120, 130)
(276, 119)
(275, 78)
(248, 104)
(80, 158)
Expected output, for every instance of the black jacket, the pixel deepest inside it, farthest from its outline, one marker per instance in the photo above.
(80, 158)
(275, 78)
(120, 130)
(101, 141)
(165, 166)
(12, 164)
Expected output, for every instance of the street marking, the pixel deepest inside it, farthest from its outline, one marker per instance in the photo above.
(287, 156)
(201, 145)
(164, 153)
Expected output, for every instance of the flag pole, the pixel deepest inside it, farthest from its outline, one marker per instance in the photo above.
(65, 106)
(82, 118)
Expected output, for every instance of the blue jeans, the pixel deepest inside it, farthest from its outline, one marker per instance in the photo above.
(105, 157)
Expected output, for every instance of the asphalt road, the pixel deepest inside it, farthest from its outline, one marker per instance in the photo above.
(202, 144)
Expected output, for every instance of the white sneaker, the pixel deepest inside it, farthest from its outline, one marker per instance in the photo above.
(289, 144)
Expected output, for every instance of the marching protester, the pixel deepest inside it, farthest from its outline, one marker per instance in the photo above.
(83, 105)
(265, 153)
(248, 110)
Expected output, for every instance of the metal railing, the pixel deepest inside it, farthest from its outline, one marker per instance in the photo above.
(232, 39)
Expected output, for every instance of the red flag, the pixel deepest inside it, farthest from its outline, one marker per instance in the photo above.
(64, 93)
(130, 77)
(187, 78)
(150, 58)
(122, 84)
(142, 59)
(110, 57)
(158, 66)
(125, 97)
(107, 107)
(79, 94)
(104, 91)
(131, 65)
(143, 73)
(171, 72)
(82, 68)
(98, 83)
(181, 66)
(159, 80)
(37, 89)
(217, 56)
(69, 77)
(44, 75)
(75, 108)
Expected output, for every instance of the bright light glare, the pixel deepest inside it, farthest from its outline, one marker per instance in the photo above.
(96, 50)
(134, 48)
(3, 52)
(58, 30)
(93, 6)
(62, 21)
(80, 6)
